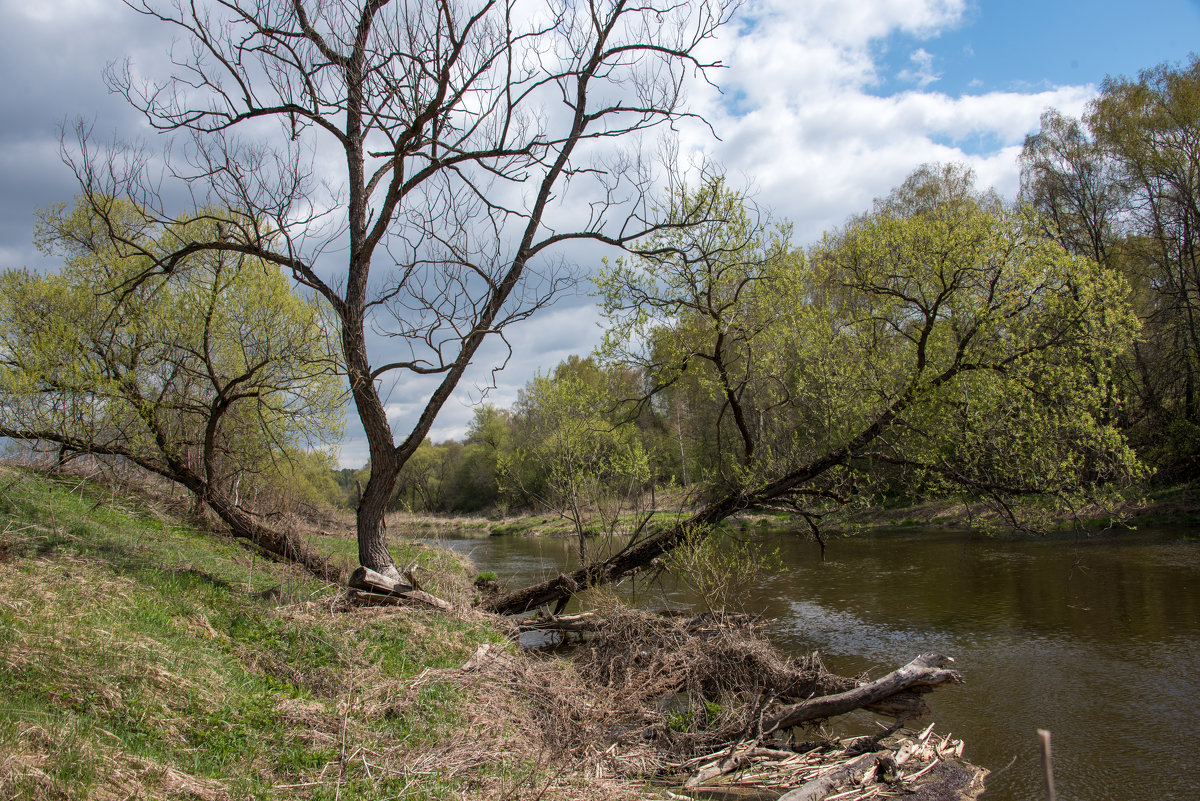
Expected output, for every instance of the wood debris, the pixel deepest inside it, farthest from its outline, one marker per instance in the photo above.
(902, 764)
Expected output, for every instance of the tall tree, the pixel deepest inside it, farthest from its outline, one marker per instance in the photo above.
(428, 148)
(1068, 178)
(207, 379)
(1123, 186)
(704, 297)
(942, 333)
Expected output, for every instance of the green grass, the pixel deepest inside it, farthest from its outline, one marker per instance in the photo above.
(140, 659)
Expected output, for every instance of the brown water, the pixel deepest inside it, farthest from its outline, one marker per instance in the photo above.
(1096, 639)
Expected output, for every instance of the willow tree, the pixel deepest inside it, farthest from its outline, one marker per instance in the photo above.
(415, 164)
(208, 379)
(943, 333)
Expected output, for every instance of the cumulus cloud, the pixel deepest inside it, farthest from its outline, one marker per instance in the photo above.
(813, 133)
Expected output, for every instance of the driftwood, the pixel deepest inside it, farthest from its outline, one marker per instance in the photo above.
(585, 621)
(820, 788)
(785, 682)
(922, 674)
(377, 588)
(737, 761)
(898, 765)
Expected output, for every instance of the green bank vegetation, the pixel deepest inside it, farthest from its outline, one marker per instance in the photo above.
(143, 657)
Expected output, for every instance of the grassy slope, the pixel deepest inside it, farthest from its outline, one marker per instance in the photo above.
(138, 659)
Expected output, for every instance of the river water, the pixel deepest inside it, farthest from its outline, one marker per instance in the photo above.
(1095, 638)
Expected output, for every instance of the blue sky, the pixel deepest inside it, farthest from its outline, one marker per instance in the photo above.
(1022, 44)
(827, 104)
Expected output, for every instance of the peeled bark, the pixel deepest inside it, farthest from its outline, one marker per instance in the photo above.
(820, 788)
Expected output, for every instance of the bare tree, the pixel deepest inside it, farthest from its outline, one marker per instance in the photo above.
(408, 161)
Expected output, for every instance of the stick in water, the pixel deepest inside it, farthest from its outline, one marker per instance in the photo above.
(1047, 763)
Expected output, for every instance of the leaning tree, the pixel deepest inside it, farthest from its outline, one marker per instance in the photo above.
(942, 334)
(415, 164)
(210, 378)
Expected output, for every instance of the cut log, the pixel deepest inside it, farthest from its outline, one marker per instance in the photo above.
(372, 583)
(922, 674)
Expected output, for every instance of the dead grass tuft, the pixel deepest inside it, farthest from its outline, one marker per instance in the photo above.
(36, 768)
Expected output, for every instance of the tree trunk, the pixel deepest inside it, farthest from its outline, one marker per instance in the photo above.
(373, 552)
(287, 546)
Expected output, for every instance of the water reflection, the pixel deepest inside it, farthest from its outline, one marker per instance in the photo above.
(1097, 639)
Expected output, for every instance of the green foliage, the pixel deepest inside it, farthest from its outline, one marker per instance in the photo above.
(573, 457)
(1122, 186)
(941, 340)
(693, 312)
(218, 371)
(997, 342)
(722, 568)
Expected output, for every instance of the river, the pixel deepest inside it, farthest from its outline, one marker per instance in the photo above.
(1095, 638)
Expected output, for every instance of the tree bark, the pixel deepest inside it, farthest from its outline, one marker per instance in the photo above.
(286, 546)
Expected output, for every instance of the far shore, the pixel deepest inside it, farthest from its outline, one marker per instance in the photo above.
(1174, 505)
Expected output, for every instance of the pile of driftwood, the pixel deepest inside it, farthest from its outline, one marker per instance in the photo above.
(701, 705)
(704, 705)
(905, 764)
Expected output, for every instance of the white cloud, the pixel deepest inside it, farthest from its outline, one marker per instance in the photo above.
(813, 134)
(73, 11)
(921, 73)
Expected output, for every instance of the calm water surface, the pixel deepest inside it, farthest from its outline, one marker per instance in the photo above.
(1096, 639)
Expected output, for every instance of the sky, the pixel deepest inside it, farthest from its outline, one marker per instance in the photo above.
(823, 106)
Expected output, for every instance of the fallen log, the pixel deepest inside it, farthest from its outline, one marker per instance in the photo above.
(374, 587)
(920, 675)
(590, 622)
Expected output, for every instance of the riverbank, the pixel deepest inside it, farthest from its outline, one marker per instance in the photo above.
(1170, 505)
(143, 657)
